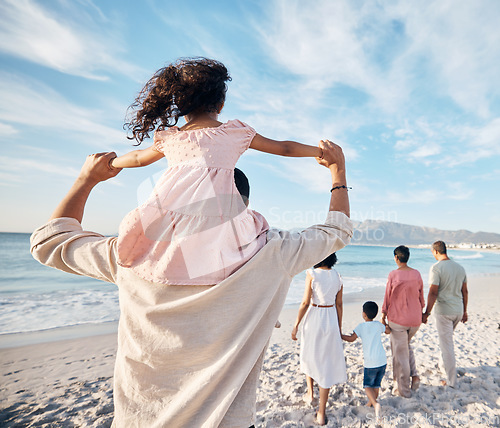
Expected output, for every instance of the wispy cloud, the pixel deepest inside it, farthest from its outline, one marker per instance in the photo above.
(418, 142)
(458, 45)
(7, 130)
(458, 191)
(390, 51)
(485, 141)
(423, 196)
(305, 173)
(425, 151)
(447, 144)
(28, 102)
(488, 176)
(448, 190)
(465, 144)
(331, 43)
(20, 170)
(39, 162)
(76, 40)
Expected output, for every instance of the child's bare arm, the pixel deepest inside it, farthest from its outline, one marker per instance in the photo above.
(136, 158)
(285, 148)
(349, 337)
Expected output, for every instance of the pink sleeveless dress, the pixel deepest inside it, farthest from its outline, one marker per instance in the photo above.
(194, 229)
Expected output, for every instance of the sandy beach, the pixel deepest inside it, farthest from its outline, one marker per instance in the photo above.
(69, 382)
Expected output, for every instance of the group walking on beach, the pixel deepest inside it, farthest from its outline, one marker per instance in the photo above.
(321, 351)
(202, 278)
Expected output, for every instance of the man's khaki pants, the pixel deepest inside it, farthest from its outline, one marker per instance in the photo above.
(403, 360)
(445, 325)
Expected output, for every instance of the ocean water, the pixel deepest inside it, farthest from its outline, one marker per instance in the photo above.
(364, 267)
(36, 298)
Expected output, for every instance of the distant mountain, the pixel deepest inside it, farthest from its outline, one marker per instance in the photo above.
(374, 232)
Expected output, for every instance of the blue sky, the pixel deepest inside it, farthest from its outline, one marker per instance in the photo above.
(410, 91)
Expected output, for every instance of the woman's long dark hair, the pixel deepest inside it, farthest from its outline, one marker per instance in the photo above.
(328, 262)
(185, 86)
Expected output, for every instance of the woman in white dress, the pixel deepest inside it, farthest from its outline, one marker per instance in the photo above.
(321, 351)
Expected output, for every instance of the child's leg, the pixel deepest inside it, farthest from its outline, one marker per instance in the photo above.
(377, 406)
(372, 394)
(323, 399)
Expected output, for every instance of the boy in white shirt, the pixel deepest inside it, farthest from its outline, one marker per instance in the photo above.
(375, 359)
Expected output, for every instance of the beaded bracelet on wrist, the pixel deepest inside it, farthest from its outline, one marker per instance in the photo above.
(340, 187)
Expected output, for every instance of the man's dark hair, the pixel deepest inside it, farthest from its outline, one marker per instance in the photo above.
(402, 253)
(370, 309)
(439, 246)
(242, 184)
(328, 262)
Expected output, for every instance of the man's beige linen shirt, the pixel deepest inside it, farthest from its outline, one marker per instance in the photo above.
(190, 356)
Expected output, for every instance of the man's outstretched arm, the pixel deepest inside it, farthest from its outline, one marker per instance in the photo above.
(94, 170)
(63, 244)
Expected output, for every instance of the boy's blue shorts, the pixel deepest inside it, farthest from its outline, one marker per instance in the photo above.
(373, 376)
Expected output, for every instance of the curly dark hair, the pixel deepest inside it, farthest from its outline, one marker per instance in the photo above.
(185, 86)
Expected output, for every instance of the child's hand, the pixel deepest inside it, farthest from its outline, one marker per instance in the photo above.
(294, 333)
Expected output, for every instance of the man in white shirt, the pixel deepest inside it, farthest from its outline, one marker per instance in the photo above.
(190, 356)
